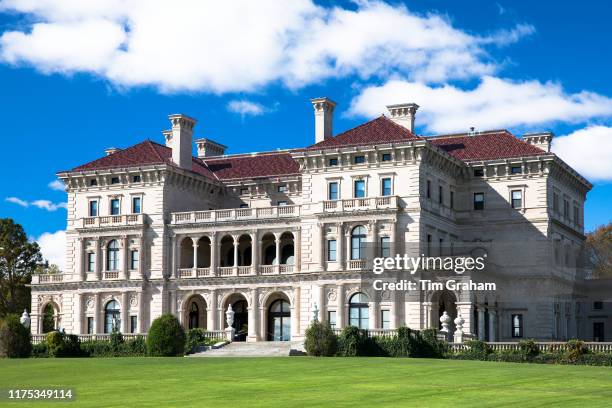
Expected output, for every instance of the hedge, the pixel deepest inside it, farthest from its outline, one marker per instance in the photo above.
(166, 337)
(15, 339)
(320, 340)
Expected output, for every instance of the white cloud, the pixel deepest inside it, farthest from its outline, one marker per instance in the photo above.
(246, 108)
(42, 204)
(56, 185)
(242, 45)
(493, 103)
(587, 151)
(53, 247)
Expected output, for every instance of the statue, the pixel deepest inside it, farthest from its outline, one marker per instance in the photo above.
(445, 320)
(315, 313)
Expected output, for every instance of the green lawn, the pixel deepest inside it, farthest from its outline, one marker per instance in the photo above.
(304, 381)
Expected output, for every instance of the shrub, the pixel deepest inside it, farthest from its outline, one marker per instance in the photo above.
(574, 350)
(97, 348)
(116, 340)
(40, 350)
(428, 344)
(194, 338)
(15, 339)
(320, 340)
(136, 347)
(529, 349)
(63, 345)
(350, 342)
(478, 350)
(54, 341)
(166, 337)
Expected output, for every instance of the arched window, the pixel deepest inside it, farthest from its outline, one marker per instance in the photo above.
(358, 239)
(48, 323)
(112, 256)
(194, 316)
(359, 311)
(111, 316)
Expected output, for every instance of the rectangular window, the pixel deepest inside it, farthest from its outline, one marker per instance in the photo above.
(359, 159)
(556, 202)
(114, 207)
(479, 201)
(281, 203)
(478, 172)
(428, 244)
(90, 325)
(331, 318)
(134, 259)
(386, 187)
(360, 189)
(517, 198)
(114, 180)
(386, 157)
(91, 261)
(598, 331)
(93, 208)
(517, 325)
(440, 194)
(598, 305)
(243, 205)
(331, 250)
(333, 161)
(441, 246)
(516, 170)
(136, 205)
(566, 208)
(576, 215)
(282, 188)
(385, 319)
(244, 191)
(332, 191)
(452, 200)
(385, 247)
(136, 178)
(428, 191)
(93, 182)
(133, 324)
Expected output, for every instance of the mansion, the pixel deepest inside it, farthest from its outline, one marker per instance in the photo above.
(280, 236)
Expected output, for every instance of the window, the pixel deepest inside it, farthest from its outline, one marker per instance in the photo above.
(134, 259)
(133, 324)
(360, 189)
(114, 180)
(331, 250)
(91, 261)
(452, 200)
(598, 331)
(282, 188)
(115, 209)
(479, 201)
(331, 318)
(428, 192)
(112, 256)
(386, 157)
(385, 247)
(385, 319)
(359, 159)
(333, 161)
(136, 178)
(136, 205)
(93, 208)
(429, 244)
(93, 182)
(386, 187)
(517, 198)
(478, 172)
(440, 246)
(332, 191)
(576, 215)
(516, 170)
(598, 305)
(556, 202)
(565, 208)
(90, 325)
(244, 191)
(440, 194)
(358, 240)
(111, 316)
(244, 205)
(359, 311)
(281, 203)
(517, 325)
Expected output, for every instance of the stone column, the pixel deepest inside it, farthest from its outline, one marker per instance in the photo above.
(339, 245)
(321, 303)
(124, 312)
(100, 257)
(297, 235)
(175, 256)
(340, 314)
(481, 323)
(374, 234)
(347, 240)
(492, 324)
(322, 242)
(236, 237)
(211, 310)
(374, 310)
(97, 315)
(141, 257)
(78, 314)
(428, 312)
(195, 240)
(393, 238)
(253, 309)
(277, 241)
(125, 243)
(295, 313)
(254, 251)
(81, 259)
(141, 312)
(393, 311)
(213, 254)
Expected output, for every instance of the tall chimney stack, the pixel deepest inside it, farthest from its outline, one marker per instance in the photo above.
(324, 118)
(403, 114)
(180, 139)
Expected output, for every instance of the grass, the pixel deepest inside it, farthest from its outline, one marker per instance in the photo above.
(304, 381)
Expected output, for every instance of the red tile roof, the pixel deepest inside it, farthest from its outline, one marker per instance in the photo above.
(379, 130)
(488, 146)
(261, 165)
(141, 154)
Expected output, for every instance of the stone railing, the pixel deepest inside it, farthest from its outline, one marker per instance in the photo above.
(543, 346)
(356, 264)
(110, 275)
(208, 334)
(112, 221)
(51, 278)
(236, 214)
(360, 204)
(373, 332)
(186, 273)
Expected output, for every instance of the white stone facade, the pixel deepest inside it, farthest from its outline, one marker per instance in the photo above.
(183, 243)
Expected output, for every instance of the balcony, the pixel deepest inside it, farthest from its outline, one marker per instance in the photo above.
(360, 204)
(53, 278)
(113, 221)
(227, 271)
(236, 214)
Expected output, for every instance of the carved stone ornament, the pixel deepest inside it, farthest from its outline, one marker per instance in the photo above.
(332, 295)
(89, 303)
(133, 301)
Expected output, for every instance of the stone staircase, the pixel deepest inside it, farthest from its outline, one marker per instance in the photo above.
(258, 349)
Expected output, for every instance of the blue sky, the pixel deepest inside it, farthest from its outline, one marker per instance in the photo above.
(78, 77)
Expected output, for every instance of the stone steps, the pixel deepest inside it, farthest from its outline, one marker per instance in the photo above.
(257, 349)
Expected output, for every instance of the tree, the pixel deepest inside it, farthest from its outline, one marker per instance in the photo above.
(599, 251)
(166, 337)
(18, 260)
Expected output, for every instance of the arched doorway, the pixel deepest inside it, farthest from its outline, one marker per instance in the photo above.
(241, 315)
(194, 312)
(49, 318)
(111, 316)
(446, 301)
(279, 321)
(194, 316)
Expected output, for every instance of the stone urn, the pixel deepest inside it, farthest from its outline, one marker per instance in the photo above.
(25, 319)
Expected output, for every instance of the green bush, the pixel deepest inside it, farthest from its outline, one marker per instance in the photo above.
(116, 340)
(40, 350)
(350, 342)
(429, 346)
(166, 337)
(320, 340)
(574, 350)
(529, 349)
(477, 350)
(54, 341)
(63, 345)
(127, 348)
(15, 339)
(194, 338)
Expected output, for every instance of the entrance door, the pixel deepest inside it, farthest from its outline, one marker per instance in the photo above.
(598, 331)
(241, 320)
(279, 321)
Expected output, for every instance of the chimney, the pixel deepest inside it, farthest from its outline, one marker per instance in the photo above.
(209, 148)
(111, 150)
(180, 140)
(540, 139)
(324, 118)
(403, 114)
